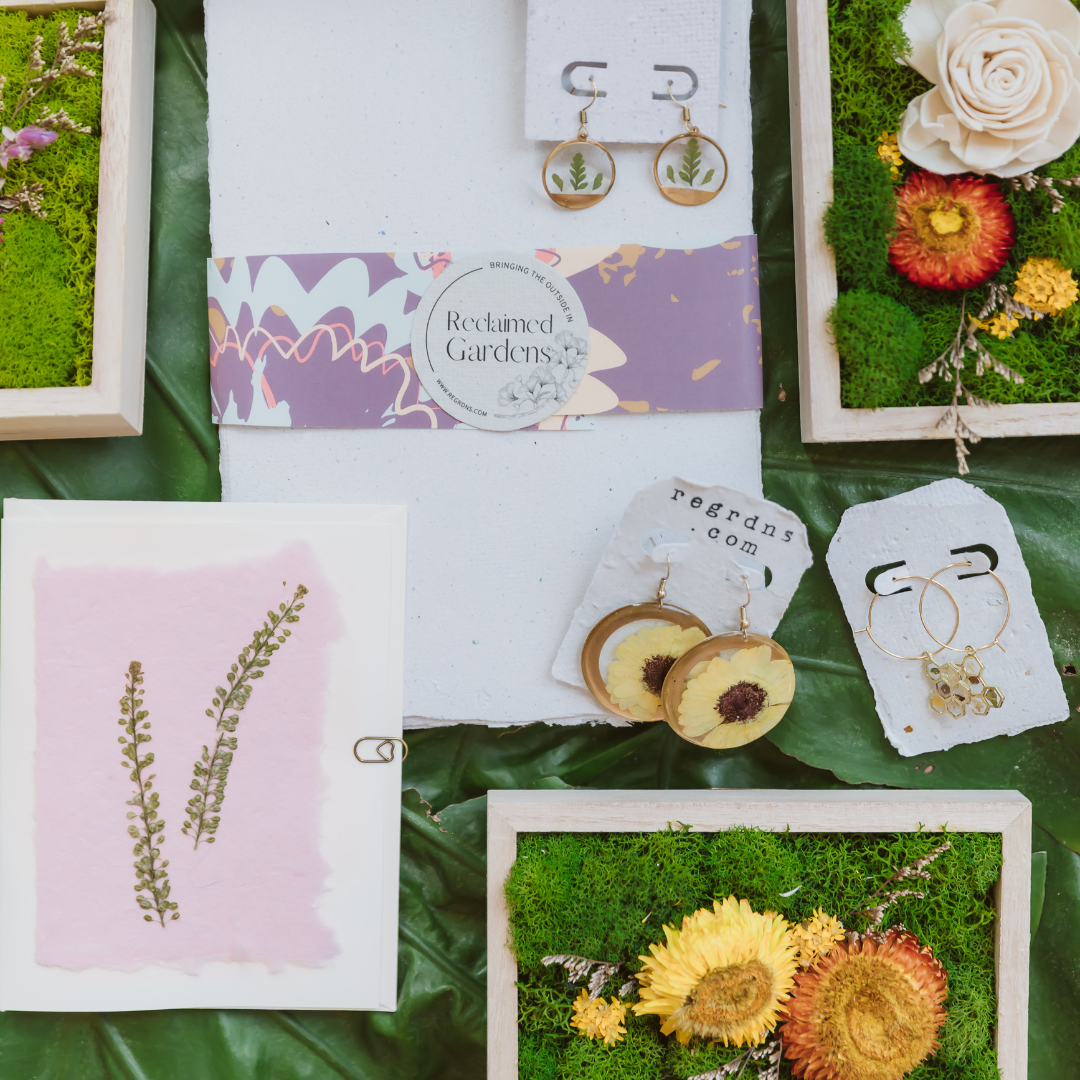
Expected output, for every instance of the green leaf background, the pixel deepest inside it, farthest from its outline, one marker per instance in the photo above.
(830, 737)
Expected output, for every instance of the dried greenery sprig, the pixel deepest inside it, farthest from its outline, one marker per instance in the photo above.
(885, 897)
(65, 62)
(949, 365)
(1030, 182)
(577, 967)
(212, 769)
(147, 829)
(770, 1051)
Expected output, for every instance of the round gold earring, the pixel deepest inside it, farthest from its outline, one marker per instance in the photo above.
(729, 689)
(942, 697)
(961, 686)
(629, 652)
(690, 164)
(582, 182)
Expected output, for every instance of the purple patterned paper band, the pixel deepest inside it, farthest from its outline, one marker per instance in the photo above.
(323, 340)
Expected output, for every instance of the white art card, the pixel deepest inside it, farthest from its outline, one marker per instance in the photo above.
(183, 822)
(890, 547)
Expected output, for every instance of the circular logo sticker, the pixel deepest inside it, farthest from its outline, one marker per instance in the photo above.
(500, 341)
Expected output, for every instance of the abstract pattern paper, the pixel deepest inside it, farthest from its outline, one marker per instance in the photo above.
(324, 340)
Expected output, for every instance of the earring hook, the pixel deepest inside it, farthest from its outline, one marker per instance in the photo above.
(661, 589)
(583, 130)
(683, 106)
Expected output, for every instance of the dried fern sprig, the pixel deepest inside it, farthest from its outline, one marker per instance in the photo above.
(770, 1052)
(875, 912)
(147, 829)
(577, 967)
(212, 769)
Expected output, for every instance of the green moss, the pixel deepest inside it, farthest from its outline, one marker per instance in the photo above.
(881, 348)
(870, 93)
(47, 266)
(608, 896)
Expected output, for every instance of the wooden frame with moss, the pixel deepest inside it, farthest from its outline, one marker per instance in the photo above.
(113, 402)
(823, 417)
(852, 811)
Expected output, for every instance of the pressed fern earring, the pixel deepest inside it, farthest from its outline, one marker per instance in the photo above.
(586, 170)
(694, 166)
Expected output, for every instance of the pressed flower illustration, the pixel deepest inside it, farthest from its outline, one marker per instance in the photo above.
(212, 768)
(596, 1019)
(950, 233)
(723, 975)
(635, 676)
(731, 702)
(869, 1010)
(147, 828)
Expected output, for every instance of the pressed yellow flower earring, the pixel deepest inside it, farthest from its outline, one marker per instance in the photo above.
(695, 172)
(586, 168)
(630, 651)
(729, 689)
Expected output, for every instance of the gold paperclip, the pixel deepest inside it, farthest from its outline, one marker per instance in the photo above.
(382, 758)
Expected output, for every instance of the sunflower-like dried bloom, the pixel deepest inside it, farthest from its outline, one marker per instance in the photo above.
(635, 676)
(596, 1019)
(815, 937)
(722, 975)
(1045, 285)
(950, 233)
(870, 1010)
(889, 152)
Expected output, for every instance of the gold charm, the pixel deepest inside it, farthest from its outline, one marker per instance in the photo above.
(586, 170)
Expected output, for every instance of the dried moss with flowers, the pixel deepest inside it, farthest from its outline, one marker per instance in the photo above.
(824, 956)
(957, 197)
(50, 116)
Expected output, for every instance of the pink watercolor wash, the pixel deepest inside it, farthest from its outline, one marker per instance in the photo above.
(251, 895)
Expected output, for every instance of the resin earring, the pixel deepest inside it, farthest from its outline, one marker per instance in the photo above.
(630, 651)
(582, 180)
(942, 698)
(961, 686)
(690, 169)
(730, 688)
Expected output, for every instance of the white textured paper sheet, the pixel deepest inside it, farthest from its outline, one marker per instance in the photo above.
(631, 39)
(922, 531)
(398, 127)
(715, 537)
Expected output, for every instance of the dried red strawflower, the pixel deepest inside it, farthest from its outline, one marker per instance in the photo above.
(951, 233)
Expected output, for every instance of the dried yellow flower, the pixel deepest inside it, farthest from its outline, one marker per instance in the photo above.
(596, 1019)
(816, 936)
(889, 152)
(1045, 285)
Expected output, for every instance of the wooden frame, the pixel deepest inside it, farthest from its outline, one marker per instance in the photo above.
(1005, 812)
(113, 402)
(823, 419)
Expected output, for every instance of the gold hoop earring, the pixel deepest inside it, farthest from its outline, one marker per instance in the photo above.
(688, 167)
(966, 677)
(583, 183)
(729, 689)
(943, 697)
(626, 672)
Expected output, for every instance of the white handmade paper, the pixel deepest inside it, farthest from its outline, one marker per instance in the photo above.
(922, 531)
(715, 538)
(631, 48)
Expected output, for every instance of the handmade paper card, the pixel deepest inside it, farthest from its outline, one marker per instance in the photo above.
(726, 549)
(331, 340)
(943, 693)
(181, 689)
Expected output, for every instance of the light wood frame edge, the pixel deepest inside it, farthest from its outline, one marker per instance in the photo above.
(112, 403)
(1005, 812)
(822, 418)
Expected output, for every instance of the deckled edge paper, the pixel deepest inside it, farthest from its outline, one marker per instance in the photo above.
(715, 537)
(921, 530)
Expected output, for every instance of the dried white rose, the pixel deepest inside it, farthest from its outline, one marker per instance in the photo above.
(1006, 97)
